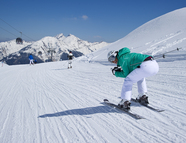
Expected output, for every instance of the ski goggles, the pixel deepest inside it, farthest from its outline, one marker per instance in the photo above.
(111, 58)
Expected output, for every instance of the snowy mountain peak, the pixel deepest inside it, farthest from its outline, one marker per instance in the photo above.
(71, 39)
(70, 35)
(60, 36)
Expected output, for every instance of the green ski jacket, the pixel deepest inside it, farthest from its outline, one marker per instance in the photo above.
(128, 62)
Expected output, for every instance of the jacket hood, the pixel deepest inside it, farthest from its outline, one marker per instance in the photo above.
(123, 51)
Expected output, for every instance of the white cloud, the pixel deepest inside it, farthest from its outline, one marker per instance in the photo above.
(85, 17)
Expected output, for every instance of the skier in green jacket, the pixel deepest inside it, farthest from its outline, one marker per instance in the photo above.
(134, 67)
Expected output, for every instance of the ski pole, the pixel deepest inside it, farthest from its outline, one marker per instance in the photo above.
(166, 53)
(160, 57)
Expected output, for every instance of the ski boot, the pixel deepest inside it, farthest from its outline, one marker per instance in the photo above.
(143, 100)
(125, 104)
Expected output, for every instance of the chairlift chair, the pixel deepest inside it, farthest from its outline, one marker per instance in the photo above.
(19, 40)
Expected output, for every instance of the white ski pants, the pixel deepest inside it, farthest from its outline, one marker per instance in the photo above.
(69, 63)
(31, 62)
(147, 68)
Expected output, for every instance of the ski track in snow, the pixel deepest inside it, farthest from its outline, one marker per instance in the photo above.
(49, 103)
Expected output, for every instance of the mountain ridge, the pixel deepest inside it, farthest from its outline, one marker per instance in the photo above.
(13, 53)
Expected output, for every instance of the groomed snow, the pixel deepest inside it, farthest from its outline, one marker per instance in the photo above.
(48, 103)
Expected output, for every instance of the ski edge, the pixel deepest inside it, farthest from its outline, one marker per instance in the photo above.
(134, 115)
(148, 106)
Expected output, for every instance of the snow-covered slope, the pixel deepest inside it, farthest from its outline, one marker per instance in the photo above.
(14, 53)
(157, 36)
(49, 103)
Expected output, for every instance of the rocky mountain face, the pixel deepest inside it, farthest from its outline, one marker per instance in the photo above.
(46, 49)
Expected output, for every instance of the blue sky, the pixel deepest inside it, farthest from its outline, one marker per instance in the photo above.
(90, 20)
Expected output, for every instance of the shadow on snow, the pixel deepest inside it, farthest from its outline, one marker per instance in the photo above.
(82, 111)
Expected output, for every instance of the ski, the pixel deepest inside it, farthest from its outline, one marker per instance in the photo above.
(129, 112)
(148, 106)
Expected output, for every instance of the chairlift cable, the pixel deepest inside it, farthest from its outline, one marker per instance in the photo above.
(16, 29)
(8, 31)
(28, 37)
(10, 25)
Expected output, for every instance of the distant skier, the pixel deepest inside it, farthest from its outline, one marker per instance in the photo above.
(31, 59)
(35, 61)
(70, 57)
(134, 67)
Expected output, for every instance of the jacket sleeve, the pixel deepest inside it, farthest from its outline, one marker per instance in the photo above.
(120, 74)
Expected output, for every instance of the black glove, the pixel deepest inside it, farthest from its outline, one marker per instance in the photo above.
(116, 69)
